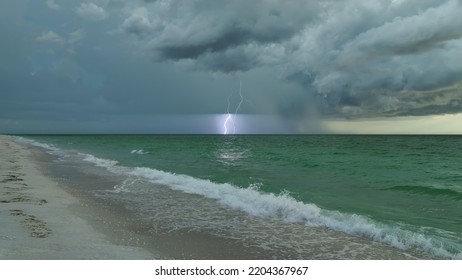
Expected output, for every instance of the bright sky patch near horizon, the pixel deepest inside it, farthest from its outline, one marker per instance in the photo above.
(169, 66)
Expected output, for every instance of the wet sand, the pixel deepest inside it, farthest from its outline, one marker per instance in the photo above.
(47, 211)
(41, 220)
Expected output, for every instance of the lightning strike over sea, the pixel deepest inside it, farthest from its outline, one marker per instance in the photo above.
(230, 118)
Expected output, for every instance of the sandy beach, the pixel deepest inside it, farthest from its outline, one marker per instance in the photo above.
(46, 213)
(41, 220)
(54, 207)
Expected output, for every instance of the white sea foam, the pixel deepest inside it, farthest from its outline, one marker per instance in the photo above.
(126, 185)
(107, 163)
(283, 206)
(48, 147)
(138, 152)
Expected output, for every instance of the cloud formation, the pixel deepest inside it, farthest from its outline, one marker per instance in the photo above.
(138, 23)
(91, 11)
(50, 37)
(234, 36)
(55, 41)
(299, 60)
(356, 58)
(52, 5)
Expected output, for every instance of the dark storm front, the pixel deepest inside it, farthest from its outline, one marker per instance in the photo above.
(403, 191)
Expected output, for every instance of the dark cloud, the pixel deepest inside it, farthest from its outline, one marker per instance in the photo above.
(376, 71)
(300, 59)
(201, 29)
(233, 37)
(226, 40)
(354, 58)
(229, 61)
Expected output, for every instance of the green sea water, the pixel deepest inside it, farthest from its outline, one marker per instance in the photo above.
(404, 191)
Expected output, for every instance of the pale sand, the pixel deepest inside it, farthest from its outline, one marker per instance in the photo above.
(41, 220)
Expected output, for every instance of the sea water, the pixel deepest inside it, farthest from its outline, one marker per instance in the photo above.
(296, 196)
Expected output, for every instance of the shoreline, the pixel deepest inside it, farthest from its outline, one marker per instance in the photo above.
(42, 220)
(55, 193)
(53, 215)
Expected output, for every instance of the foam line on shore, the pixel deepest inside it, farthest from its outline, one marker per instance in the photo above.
(281, 206)
(40, 220)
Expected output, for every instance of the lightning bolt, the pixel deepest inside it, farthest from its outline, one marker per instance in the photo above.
(229, 116)
(238, 106)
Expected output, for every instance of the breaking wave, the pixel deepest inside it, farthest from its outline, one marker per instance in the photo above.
(283, 206)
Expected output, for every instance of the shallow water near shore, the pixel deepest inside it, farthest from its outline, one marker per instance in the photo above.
(278, 197)
(41, 220)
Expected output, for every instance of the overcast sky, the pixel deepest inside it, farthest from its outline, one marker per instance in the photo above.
(171, 66)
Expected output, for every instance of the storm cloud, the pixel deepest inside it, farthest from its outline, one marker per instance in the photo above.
(301, 60)
(357, 58)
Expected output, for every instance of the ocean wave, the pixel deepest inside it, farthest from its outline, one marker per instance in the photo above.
(138, 152)
(107, 163)
(279, 206)
(48, 147)
(428, 190)
(283, 206)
